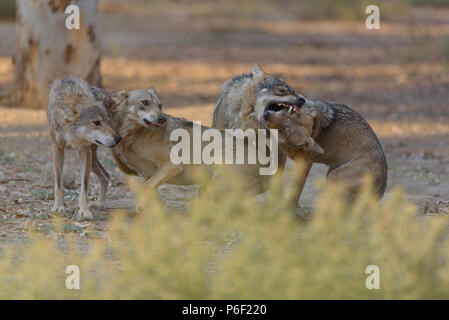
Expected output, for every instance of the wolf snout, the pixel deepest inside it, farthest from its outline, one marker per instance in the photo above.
(300, 101)
(112, 141)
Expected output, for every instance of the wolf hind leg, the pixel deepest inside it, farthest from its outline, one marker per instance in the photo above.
(102, 175)
(349, 175)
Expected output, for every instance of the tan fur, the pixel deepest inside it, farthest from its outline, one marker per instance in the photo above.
(294, 130)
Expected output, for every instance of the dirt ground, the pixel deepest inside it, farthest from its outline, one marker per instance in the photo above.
(397, 77)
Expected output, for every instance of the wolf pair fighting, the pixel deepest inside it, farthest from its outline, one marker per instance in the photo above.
(315, 132)
(254, 100)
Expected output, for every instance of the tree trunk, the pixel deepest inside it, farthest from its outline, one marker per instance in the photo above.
(46, 49)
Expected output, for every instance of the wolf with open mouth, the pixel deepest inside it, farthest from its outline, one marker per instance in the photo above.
(245, 98)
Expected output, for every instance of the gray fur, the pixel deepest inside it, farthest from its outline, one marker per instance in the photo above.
(78, 119)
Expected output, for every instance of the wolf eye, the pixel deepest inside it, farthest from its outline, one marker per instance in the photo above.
(97, 123)
(281, 91)
(145, 102)
(160, 106)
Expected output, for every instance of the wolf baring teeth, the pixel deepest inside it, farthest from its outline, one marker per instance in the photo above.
(245, 99)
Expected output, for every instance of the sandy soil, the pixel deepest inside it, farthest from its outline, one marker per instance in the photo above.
(397, 77)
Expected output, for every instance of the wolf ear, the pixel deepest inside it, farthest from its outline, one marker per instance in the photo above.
(152, 90)
(313, 146)
(257, 71)
(120, 96)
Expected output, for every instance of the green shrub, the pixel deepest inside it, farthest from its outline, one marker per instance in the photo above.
(233, 246)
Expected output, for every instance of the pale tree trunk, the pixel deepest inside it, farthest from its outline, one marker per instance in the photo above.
(46, 49)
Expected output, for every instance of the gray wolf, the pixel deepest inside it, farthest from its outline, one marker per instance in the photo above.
(349, 145)
(146, 146)
(78, 120)
(244, 98)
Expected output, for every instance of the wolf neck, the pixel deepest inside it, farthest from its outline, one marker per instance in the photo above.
(325, 108)
(242, 98)
(248, 97)
(126, 126)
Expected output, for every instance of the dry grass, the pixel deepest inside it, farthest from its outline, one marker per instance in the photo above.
(229, 246)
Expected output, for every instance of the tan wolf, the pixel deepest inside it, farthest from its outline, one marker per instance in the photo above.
(78, 120)
(146, 146)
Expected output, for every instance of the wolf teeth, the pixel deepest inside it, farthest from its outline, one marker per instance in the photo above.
(290, 109)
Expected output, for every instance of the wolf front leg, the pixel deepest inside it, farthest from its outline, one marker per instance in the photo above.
(163, 174)
(85, 155)
(58, 166)
(306, 164)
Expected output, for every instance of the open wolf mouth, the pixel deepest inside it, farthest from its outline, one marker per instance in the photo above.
(159, 123)
(278, 106)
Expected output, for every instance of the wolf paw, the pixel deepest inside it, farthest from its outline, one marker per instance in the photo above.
(84, 214)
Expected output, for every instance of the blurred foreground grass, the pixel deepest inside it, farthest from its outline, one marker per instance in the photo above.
(231, 246)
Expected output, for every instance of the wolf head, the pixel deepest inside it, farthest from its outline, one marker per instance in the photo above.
(90, 121)
(82, 115)
(295, 128)
(273, 94)
(92, 124)
(142, 106)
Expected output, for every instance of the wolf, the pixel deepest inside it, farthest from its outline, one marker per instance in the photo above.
(348, 142)
(349, 146)
(244, 98)
(146, 145)
(78, 120)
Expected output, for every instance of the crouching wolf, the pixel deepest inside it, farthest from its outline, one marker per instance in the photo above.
(146, 146)
(78, 120)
